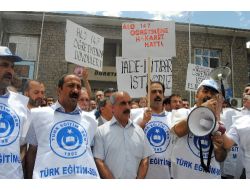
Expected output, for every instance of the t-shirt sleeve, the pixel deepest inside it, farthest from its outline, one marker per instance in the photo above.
(178, 115)
(233, 134)
(25, 128)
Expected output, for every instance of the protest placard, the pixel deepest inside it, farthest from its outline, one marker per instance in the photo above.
(148, 39)
(83, 47)
(132, 74)
(195, 75)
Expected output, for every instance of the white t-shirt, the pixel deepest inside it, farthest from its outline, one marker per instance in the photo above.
(63, 144)
(13, 116)
(185, 159)
(232, 165)
(158, 133)
(239, 133)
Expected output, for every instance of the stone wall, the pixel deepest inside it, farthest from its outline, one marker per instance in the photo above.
(52, 62)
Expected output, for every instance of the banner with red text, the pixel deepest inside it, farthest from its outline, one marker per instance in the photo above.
(148, 39)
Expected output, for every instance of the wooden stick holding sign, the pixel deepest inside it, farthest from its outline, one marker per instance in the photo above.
(149, 80)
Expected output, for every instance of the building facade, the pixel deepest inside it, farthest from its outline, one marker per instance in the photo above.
(39, 38)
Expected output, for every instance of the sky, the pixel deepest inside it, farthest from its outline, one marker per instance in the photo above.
(226, 13)
(232, 19)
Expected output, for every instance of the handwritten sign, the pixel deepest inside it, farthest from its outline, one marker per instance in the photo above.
(132, 74)
(83, 47)
(195, 75)
(144, 39)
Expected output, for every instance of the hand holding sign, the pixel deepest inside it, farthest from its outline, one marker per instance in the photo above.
(78, 71)
(81, 72)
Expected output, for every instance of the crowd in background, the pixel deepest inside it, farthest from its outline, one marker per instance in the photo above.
(108, 134)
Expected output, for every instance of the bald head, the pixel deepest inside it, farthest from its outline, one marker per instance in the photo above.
(35, 91)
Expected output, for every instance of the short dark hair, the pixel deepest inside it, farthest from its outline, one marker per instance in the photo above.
(166, 101)
(156, 82)
(26, 85)
(174, 95)
(61, 80)
(102, 103)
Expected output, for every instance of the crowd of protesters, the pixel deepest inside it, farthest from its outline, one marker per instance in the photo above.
(108, 134)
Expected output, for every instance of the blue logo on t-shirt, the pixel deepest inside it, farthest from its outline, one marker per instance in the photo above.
(9, 125)
(158, 135)
(193, 143)
(68, 139)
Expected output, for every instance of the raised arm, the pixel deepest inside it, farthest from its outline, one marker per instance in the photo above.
(85, 75)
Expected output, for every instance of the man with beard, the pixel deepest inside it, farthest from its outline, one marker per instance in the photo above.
(121, 149)
(63, 134)
(155, 122)
(13, 116)
(193, 156)
(35, 91)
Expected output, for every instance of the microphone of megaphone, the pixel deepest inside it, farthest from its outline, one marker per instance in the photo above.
(202, 121)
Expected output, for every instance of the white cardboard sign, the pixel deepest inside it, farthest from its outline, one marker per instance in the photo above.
(83, 47)
(148, 39)
(195, 75)
(132, 74)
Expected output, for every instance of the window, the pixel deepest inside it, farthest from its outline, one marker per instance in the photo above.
(24, 46)
(207, 57)
(24, 69)
(27, 48)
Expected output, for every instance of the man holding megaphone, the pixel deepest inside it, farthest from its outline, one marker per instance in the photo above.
(198, 145)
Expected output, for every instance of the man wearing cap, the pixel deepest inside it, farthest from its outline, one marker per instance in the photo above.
(13, 116)
(187, 159)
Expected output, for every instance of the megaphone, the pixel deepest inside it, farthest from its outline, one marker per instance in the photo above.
(202, 121)
(220, 73)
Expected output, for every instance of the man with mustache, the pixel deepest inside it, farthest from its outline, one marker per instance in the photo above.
(193, 156)
(155, 122)
(63, 134)
(13, 117)
(121, 149)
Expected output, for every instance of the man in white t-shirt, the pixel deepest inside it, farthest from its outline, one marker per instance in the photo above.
(156, 125)
(13, 118)
(239, 134)
(232, 167)
(63, 134)
(191, 154)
